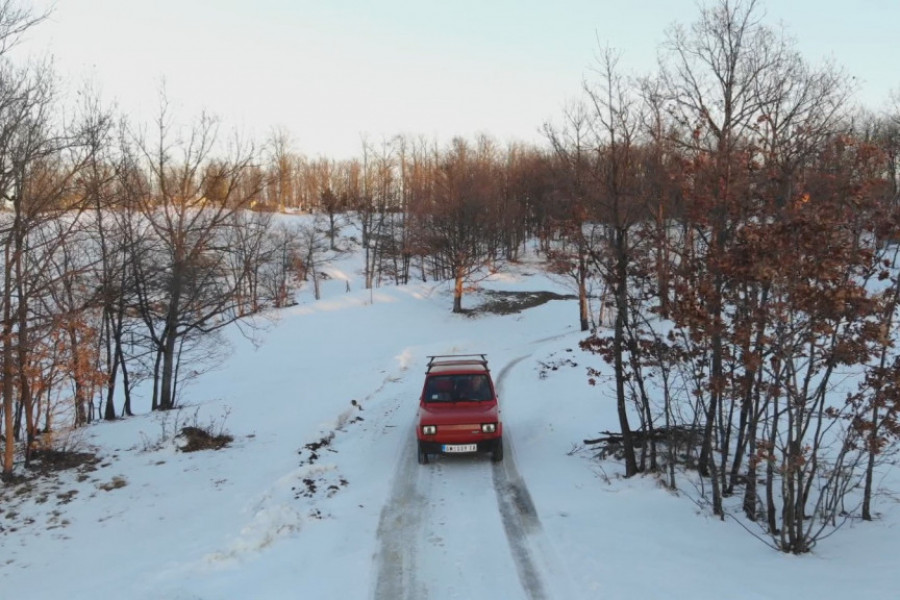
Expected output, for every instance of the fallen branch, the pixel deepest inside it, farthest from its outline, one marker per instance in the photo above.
(679, 433)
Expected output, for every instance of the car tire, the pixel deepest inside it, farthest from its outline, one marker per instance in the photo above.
(497, 454)
(422, 457)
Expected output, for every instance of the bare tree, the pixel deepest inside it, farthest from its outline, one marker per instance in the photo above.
(190, 203)
(282, 268)
(571, 209)
(280, 191)
(41, 162)
(457, 228)
(372, 207)
(313, 251)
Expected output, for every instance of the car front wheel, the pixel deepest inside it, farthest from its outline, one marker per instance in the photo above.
(497, 454)
(423, 458)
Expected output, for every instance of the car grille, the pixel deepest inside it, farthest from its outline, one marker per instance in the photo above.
(460, 428)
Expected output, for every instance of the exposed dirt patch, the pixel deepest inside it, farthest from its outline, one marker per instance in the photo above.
(557, 363)
(113, 484)
(311, 487)
(508, 303)
(50, 461)
(66, 497)
(324, 482)
(195, 439)
(315, 447)
(335, 488)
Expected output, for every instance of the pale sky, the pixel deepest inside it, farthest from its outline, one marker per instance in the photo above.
(331, 71)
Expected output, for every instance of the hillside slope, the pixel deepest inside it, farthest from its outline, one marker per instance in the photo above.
(319, 495)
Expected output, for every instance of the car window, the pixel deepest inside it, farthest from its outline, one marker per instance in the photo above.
(439, 388)
(474, 387)
(455, 388)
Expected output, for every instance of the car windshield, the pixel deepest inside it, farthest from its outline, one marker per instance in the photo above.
(457, 388)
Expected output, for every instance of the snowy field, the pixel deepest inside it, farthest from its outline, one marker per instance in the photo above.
(319, 495)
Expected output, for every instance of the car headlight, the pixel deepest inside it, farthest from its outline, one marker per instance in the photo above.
(488, 427)
(429, 429)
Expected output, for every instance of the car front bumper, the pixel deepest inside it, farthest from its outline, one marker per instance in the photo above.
(438, 447)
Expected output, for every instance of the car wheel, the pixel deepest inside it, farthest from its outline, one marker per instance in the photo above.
(497, 454)
(423, 458)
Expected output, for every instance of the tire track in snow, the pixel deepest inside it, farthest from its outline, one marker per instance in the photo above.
(400, 520)
(398, 532)
(517, 509)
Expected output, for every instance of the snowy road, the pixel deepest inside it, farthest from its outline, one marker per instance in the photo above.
(445, 522)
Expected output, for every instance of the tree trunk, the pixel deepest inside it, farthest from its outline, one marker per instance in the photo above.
(458, 290)
(750, 493)
(317, 294)
(367, 255)
(154, 403)
(9, 366)
(741, 442)
(81, 417)
(771, 515)
(662, 263)
(870, 466)
(8, 370)
(126, 387)
(331, 230)
(706, 450)
(9, 451)
(582, 289)
(109, 408)
(166, 401)
(618, 348)
(22, 351)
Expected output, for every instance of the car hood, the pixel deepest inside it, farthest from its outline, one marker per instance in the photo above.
(459, 413)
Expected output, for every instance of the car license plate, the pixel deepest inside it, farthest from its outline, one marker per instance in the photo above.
(460, 447)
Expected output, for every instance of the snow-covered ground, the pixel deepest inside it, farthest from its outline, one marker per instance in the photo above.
(320, 495)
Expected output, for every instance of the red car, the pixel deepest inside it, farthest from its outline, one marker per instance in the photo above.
(458, 409)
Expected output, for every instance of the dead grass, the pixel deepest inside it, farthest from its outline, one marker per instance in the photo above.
(114, 484)
(196, 439)
(49, 461)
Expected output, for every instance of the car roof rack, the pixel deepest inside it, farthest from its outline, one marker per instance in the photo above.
(477, 361)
